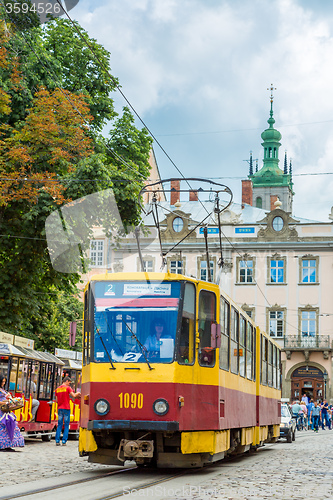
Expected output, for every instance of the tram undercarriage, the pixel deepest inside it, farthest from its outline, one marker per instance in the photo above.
(174, 449)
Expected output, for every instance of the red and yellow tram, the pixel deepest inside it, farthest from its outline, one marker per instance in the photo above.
(207, 386)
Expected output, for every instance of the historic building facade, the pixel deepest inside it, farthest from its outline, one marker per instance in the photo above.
(277, 266)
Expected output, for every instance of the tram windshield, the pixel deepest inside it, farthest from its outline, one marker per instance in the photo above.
(135, 321)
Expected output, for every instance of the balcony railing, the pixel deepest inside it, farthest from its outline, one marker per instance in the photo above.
(317, 342)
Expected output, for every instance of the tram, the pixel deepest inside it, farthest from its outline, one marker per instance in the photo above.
(33, 376)
(207, 386)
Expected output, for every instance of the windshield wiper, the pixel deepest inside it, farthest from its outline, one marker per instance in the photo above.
(105, 349)
(142, 349)
(114, 338)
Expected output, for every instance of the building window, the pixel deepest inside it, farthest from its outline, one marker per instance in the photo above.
(148, 266)
(259, 202)
(276, 322)
(177, 224)
(204, 271)
(176, 267)
(246, 271)
(308, 323)
(277, 224)
(309, 271)
(96, 253)
(277, 271)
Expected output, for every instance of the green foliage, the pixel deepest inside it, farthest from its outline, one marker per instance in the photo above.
(51, 151)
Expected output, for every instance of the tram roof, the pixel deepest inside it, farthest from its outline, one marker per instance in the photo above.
(41, 356)
(10, 350)
(72, 364)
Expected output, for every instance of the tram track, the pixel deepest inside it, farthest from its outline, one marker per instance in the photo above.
(120, 493)
(132, 484)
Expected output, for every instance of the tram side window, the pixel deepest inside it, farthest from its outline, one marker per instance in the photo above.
(225, 324)
(46, 381)
(279, 369)
(249, 351)
(185, 355)
(86, 328)
(22, 376)
(234, 332)
(264, 359)
(4, 363)
(274, 367)
(270, 364)
(207, 316)
(242, 341)
(13, 375)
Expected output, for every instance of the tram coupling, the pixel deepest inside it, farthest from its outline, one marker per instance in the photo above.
(137, 450)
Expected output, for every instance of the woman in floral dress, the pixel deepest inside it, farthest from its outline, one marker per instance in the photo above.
(5, 443)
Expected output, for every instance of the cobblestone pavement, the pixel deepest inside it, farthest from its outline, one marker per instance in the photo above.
(299, 470)
(39, 460)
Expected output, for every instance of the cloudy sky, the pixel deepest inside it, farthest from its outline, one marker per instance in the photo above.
(197, 72)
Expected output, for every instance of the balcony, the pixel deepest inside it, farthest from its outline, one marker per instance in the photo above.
(307, 344)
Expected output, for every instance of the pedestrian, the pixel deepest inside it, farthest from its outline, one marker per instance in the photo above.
(296, 412)
(329, 416)
(315, 414)
(63, 394)
(305, 399)
(303, 416)
(309, 408)
(10, 435)
(324, 415)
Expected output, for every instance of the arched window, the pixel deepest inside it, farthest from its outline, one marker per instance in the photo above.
(259, 202)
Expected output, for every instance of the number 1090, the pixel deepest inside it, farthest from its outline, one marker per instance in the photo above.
(133, 400)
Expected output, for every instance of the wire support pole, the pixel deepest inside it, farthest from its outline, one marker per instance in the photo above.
(207, 254)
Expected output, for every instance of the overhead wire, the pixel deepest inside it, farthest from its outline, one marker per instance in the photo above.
(140, 119)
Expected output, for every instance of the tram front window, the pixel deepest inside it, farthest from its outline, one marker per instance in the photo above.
(135, 322)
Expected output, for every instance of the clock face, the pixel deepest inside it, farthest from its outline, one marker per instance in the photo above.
(278, 223)
(177, 224)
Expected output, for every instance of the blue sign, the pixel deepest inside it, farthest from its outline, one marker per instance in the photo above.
(210, 230)
(239, 230)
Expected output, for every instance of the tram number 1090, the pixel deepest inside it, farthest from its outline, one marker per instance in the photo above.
(133, 400)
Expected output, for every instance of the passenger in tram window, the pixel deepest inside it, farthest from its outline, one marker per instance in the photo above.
(6, 443)
(34, 403)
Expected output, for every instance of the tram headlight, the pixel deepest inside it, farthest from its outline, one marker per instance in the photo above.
(161, 407)
(102, 407)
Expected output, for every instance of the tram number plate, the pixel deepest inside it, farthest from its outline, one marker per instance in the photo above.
(132, 400)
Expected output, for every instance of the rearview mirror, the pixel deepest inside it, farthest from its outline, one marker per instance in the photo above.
(215, 335)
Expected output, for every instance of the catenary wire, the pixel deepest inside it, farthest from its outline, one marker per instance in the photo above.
(138, 116)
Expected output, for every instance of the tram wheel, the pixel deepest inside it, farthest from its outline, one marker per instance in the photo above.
(46, 437)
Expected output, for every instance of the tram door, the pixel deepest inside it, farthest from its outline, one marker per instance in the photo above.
(307, 380)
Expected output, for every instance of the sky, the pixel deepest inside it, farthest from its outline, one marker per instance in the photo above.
(197, 73)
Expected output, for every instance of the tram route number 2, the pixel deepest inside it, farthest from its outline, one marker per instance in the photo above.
(133, 400)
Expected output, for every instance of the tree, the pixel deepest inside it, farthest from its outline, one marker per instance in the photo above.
(51, 152)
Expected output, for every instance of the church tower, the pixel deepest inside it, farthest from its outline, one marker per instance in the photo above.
(270, 182)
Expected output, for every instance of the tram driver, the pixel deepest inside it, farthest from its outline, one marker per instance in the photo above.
(154, 341)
